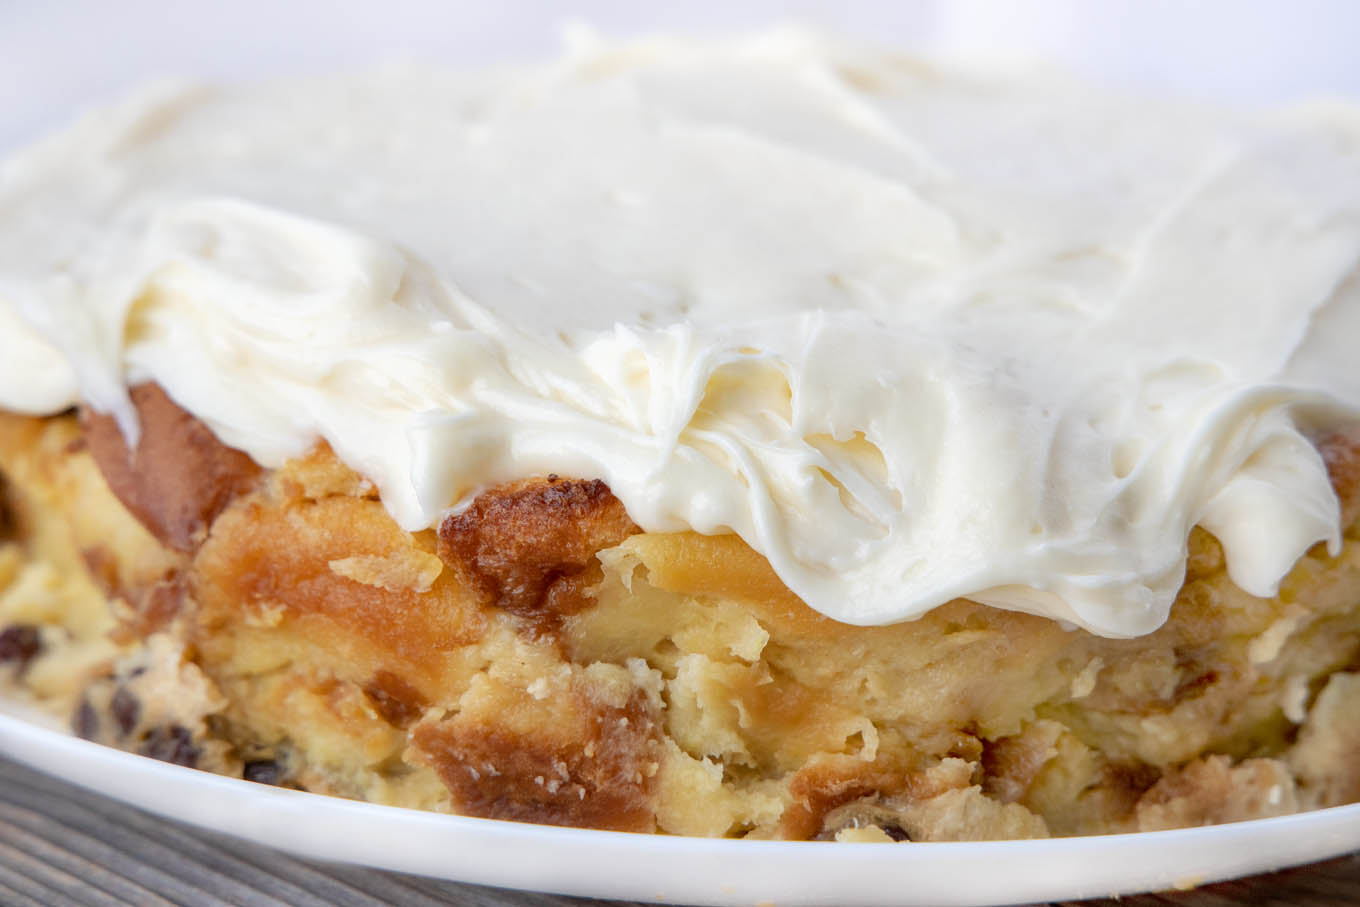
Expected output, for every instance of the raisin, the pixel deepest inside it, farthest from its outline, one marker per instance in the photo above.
(896, 832)
(9, 525)
(172, 744)
(126, 709)
(262, 771)
(85, 722)
(19, 643)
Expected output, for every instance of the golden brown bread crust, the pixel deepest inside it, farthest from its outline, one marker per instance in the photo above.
(179, 477)
(529, 547)
(1341, 452)
(575, 762)
(832, 782)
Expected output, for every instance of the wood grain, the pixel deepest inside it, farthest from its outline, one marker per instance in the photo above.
(63, 845)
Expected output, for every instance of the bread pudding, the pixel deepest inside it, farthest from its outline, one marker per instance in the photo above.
(773, 438)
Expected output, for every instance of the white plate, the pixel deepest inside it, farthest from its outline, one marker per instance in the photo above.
(680, 870)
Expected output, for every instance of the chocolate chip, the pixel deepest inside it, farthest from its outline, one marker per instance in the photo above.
(126, 709)
(262, 771)
(85, 722)
(170, 744)
(19, 643)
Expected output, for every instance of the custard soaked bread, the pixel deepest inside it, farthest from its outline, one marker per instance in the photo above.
(539, 658)
(771, 437)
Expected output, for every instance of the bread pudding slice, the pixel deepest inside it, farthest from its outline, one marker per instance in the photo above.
(539, 658)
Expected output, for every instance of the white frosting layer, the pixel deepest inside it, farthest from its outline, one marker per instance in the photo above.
(913, 333)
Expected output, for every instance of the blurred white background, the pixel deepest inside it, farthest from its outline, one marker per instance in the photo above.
(56, 57)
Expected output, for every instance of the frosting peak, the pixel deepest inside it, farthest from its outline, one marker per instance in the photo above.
(913, 332)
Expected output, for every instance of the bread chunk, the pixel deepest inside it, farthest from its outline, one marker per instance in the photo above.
(178, 477)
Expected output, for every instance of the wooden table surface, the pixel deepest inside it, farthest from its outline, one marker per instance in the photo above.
(63, 845)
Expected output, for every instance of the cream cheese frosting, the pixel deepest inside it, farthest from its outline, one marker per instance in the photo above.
(914, 331)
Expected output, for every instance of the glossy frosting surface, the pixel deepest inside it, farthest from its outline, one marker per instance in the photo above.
(914, 332)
